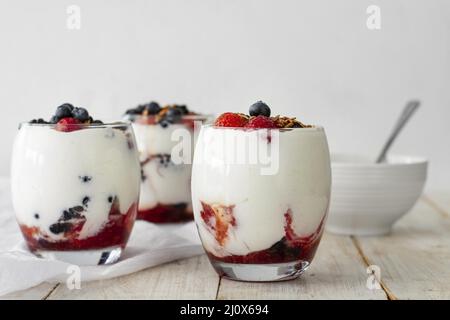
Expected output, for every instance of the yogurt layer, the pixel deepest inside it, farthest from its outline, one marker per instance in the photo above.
(299, 185)
(54, 171)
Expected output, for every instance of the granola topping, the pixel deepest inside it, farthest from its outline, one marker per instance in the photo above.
(286, 122)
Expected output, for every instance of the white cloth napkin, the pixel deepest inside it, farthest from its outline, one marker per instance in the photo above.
(149, 245)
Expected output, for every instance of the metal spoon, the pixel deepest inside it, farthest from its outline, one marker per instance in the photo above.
(408, 111)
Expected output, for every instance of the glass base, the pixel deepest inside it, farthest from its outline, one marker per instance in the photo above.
(261, 272)
(83, 257)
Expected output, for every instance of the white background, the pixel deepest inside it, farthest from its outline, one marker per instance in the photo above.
(313, 59)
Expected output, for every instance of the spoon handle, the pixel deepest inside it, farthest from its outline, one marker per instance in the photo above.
(408, 111)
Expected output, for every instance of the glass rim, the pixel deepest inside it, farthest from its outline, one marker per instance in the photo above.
(186, 116)
(312, 128)
(116, 124)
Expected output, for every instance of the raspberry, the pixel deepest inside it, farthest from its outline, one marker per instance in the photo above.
(230, 119)
(261, 122)
(68, 125)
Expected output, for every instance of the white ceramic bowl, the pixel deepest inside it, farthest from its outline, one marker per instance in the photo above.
(367, 198)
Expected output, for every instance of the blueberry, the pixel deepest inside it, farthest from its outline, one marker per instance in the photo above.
(86, 201)
(259, 109)
(54, 119)
(57, 228)
(164, 123)
(85, 179)
(64, 111)
(283, 249)
(184, 110)
(67, 215)
(38, 121)
(152, 108)
(72, 213)
(36, 215)
(67, 105)
(80, 114)
(132, 111)
(173, 115)
(164, 160)
(140, 108)
(143, 176)
(77, 209)
(110, 199)
(174, 112)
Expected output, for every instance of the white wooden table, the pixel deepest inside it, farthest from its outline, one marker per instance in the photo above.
(414, 262)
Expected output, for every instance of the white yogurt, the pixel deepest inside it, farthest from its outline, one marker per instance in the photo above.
(301, 183)
(48, 167)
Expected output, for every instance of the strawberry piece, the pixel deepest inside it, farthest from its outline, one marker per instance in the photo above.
(260, 122)
(230, 119)
(68, 125)
(219, 219)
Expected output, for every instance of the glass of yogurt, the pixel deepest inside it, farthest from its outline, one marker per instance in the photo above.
(165, 140)
(75, 186)
(260, 192)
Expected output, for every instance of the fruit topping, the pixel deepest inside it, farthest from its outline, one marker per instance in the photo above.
(261, 122)
(64, 111)
(230, 119)
(152, 108)
(259, 109)
(153, 113)
(259, 118)
(81, 114)
(68, 118)
(68, 125)
(38, 121)
(173, 115)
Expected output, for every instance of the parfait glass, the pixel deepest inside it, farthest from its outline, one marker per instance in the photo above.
(75, 192)
(260, 199)
(165, 151)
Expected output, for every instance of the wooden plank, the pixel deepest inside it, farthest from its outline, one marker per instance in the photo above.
(440, 201)
(36, 293)
(337, 272)
(415, 259)
(191, 278)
